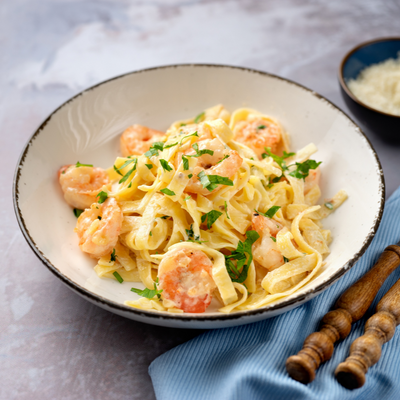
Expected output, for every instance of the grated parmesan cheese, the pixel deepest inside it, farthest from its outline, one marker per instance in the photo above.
(378, 86)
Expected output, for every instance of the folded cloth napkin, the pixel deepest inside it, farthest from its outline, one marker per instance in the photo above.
(248, 362)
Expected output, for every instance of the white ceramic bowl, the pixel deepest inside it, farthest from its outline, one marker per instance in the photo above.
(87, 129)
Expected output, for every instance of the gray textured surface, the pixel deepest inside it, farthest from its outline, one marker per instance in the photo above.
(53, 344)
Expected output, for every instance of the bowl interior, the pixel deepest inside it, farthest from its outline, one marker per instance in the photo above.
(368, 54)
(87, 129)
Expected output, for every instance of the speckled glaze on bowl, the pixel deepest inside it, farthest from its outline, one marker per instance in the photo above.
(385, 125)
(87, 129)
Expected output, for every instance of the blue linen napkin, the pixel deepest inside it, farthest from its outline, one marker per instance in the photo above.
(248, 362)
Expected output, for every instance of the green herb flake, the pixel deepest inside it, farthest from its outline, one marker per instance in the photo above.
(190, 176)
(165, 165)
(302, 169)
(185, 163)
(210, 182)
(187, 198)
(113, 256)
(117, 170)
(188, 136)
(238, 263)
(199, 153)
(270, 212)
(77, 212)
(182, 124)
(102, 197)
(151, 233)
(149, 294)
(130, 172)
(154, 149)
(210, 217)
(170, 145)
(274, 239)
(149, 166)
(225, 157)
(167, 192)
(130, 185)
(329, 205)
(78, 164)
(286, 260)
(192, 237)
(279, 160)
(261, 127)
(226, 210)
(118, 276)
(164, 217)
(199, 117)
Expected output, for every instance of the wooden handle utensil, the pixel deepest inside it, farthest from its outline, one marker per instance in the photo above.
(366, 350)
(336, 324)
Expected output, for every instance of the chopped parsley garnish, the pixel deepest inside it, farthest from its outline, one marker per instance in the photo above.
(210, 182)
(117, 170)
(199, 117)
(113, 256)
(78, 164)
(130, 184)
(182, 124)
(154, 149)
(185, 163)
(302, 169)
(210, 217)
(261, 127)
(149, 294)
(149, 166)
(274, 239)
(192, 237)
(328, 205)
(188, 136)
(118, 276)
(279, 160)
(285, 259)
(165, 165)
(199, 153)
(225, 157)
(102, 197)
(238, 263)
(190, 176)
(187, 198)
(170, 145)
(226, 210)
(165, 217)
(270, 212)
(130, 172)
(77, 212)
(167, 192)
(151, 233)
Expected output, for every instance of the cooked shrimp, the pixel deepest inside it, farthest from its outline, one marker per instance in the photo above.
(82, 184)
(137, 139)
(214, 164)
(265, 249)
(312, 179)
(258, 134)
(98, 228)
(185, 278)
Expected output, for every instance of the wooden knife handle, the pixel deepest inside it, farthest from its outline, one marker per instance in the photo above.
(366, 350)
(336, 324)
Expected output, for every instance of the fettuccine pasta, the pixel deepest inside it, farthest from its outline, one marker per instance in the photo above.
(216, 207)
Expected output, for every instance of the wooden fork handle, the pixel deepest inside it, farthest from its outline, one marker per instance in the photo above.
(366, 350)
(336, 324)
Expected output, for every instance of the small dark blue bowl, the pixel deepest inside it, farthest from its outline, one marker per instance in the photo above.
(385, 125)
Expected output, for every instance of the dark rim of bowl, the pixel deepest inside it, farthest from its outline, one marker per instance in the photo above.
(121, 308)
(344, 84)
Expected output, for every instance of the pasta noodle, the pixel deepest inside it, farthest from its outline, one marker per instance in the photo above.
(217, 207)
